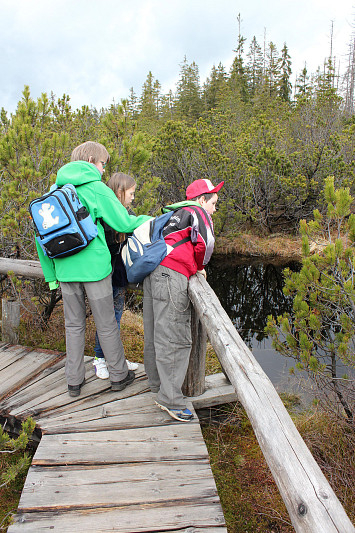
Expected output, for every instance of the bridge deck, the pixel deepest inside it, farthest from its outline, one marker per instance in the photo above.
(107, 461)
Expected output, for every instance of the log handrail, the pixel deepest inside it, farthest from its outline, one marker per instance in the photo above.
(20, 267)
(311, 502)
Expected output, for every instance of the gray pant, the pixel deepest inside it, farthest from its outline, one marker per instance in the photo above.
(167, 334)
(99, 295)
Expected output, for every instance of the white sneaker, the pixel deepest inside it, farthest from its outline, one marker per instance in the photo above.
(132, 366)
(101, 368)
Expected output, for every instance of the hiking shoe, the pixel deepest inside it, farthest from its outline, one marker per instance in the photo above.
(120, 385)
(74, 390)
(131, 365)
(183, 415)
(101, 368)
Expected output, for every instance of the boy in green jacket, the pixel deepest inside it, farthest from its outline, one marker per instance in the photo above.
(89, 271)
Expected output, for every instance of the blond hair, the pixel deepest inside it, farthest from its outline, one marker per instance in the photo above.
(120, 183)
(96, 151)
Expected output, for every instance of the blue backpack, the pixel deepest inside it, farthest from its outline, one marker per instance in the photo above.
(146, 248)
(62, 224)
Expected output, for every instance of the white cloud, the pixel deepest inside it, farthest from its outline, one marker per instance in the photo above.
(95, 51)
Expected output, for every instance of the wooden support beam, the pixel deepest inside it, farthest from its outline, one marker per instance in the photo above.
(10, 320)
(194, 384)
(311, 502)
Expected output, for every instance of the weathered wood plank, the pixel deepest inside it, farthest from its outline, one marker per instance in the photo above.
(49, 391)
(46, 381)
(135, 518)
(93, 393)
(311, 502)
(167, 443)
(111, 486)
(218, 391)
(45, 397)
(10, 353)
(133, 412)
(23, 370)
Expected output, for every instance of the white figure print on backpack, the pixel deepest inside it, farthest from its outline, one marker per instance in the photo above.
(46, 213)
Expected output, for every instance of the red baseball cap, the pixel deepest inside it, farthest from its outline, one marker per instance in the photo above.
(199, 187)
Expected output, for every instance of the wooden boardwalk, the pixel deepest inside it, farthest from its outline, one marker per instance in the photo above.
(107, 461)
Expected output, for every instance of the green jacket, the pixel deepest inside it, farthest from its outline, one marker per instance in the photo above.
(93, 263)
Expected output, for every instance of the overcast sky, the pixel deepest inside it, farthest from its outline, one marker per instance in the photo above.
(96, 50)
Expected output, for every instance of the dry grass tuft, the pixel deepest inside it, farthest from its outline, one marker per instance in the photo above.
(248, 493)
(249, 245)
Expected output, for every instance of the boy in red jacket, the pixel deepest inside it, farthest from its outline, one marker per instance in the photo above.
(166, 304)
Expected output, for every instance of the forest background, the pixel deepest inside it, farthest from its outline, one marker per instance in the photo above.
(274, 145)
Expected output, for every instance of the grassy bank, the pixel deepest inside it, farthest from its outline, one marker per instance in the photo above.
(249, 496)
(249, 245)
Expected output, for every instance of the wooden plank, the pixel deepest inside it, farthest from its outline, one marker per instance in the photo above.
(56, 399)
(50, 391)
(115, 486)
(171, 442)
(25, 369)
(47, 380)
(95, 392)
(9, 353)
(218, 391)
(310, 500)
(145, 518)
(137, 411)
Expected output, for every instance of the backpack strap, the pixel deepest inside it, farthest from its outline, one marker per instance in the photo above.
(195, 207)
(176, 244)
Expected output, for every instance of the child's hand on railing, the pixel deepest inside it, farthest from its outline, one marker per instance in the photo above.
(203, 272)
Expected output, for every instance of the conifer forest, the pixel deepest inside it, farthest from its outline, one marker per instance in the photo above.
(273, 143)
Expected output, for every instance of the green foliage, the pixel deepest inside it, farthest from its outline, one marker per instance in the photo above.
(38, 140)
(11, 446)
(243, 127)
(320, 333)
(32, 149)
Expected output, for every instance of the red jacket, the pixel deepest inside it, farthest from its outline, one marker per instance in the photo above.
(194, 223)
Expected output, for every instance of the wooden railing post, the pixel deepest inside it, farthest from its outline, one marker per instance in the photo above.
(10, 320)
(194, 384)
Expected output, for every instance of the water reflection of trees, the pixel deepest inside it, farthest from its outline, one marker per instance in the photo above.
(249, 293)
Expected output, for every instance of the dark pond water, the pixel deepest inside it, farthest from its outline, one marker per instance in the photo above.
(249, 292)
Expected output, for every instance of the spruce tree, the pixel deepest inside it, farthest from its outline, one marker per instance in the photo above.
(188, 103)
(213, 87)
(149, 105)
(319, 334)
(238, 74)
(284, 84)
(254, 67)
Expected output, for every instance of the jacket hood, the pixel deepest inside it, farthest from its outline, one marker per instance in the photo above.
(179, 205)
(77, 173)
